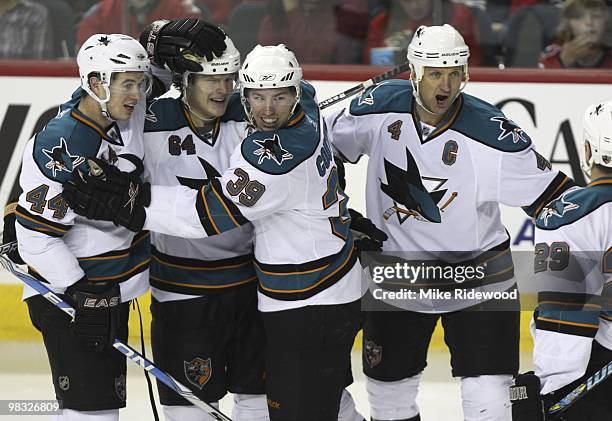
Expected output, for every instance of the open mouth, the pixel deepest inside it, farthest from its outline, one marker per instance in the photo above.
(269, 121)
(441, 100)
(129, 108)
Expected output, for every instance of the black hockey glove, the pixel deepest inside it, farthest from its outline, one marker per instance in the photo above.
(96, 313)
(9, 235)
(166, 40)
(366, 235)
(527, 403)
(109, 194)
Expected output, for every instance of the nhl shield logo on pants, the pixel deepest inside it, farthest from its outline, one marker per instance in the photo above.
(63, 382)
(198, 371)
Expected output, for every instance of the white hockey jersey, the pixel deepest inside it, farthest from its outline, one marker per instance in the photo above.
(436, 190)
(176, 153)
(59, 246)
(284, 182)
(573, 265)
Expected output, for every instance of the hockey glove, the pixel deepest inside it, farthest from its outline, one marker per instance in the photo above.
(96, 313)
(366, 235)
(527, 403)
(165, 42)
(109, 194)
(9, 235)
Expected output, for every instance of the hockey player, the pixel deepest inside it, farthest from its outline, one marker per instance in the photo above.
(440, 162)
(98, 266)
(93, 261)
(206, 330)
(283, 179)
(572, 327)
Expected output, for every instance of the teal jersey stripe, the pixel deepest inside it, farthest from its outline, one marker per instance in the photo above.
(281, 279)
(40, 224)
(580, 317)
(171, 272)
(118, 265)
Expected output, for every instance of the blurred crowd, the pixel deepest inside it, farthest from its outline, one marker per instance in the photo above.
(500, 33)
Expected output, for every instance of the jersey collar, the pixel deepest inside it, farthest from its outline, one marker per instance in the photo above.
(600, 180)
(446, 122)
(112, 134)
(207, 136)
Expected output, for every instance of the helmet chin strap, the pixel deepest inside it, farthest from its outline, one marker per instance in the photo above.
(102, 102)
(586, 164)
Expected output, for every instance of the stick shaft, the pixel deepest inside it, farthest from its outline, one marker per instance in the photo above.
(125, 349)
(364, 85)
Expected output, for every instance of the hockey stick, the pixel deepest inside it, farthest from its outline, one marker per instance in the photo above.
(364, 85)
(582, 389)
(8, 247)
(125, 349)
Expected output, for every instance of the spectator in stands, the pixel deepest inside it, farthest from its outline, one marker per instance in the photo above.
(80, 7)
(318, 31)
(105, 17)
(581, 31)
(25, 30)
(396, 20)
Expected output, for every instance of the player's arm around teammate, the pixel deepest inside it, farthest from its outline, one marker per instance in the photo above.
(206, 329)
(283, 179)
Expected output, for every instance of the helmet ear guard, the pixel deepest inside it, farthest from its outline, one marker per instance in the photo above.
(436, 46)
(269, 67)
(597, 134)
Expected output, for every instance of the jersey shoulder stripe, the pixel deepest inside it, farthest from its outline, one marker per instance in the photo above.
(487, 125)
(391, 96)
(575, 204)
(280, 151)
(64, 145)
(165, 115)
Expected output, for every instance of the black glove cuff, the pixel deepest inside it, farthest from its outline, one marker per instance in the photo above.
(153, 36)
(145, 194)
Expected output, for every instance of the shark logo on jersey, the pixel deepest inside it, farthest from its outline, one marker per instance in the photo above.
(149, 114)
(60, 158)
(557, 208)
(369, 98)
(197, 183)
(410, 197)
(509, 128)
(271, 148)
